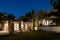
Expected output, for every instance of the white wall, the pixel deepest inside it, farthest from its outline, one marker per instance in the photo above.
(53, 29)
(6, 26)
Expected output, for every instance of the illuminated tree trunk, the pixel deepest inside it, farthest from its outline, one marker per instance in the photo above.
(37, 24)
(33, 19)
(33, 23)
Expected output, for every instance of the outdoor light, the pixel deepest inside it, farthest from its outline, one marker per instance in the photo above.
(22, 25)
(36, 28)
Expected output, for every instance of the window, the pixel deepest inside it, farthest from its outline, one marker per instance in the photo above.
(16, 26)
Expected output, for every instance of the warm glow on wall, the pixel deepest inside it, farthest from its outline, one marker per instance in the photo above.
(6, 26)
(26, 27)
(22, 26)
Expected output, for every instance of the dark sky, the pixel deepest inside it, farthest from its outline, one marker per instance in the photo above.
(20, 7)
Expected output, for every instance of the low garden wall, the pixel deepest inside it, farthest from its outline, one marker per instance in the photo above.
(51, 28)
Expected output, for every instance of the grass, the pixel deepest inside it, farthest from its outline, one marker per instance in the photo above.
(33, 35)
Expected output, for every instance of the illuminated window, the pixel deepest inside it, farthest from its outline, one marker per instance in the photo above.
(16, 26)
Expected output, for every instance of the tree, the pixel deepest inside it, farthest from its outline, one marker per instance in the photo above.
(2, 20)
(33, 19)
(11, 16)
(2, 17)
(23, 18)
(28, 16)
(56, 4)
(40, 15)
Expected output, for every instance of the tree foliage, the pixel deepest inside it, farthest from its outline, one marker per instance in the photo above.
(11, 16)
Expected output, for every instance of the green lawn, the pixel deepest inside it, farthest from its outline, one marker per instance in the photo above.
(40, 35)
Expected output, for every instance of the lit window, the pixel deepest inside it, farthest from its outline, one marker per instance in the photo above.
(16, 26)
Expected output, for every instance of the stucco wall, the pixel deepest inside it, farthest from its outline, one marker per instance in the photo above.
(53, 29)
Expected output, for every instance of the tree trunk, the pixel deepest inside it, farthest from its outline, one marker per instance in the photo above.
(33, 23)
(37, 24)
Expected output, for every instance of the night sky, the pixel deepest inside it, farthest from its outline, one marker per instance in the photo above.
(20, 7)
